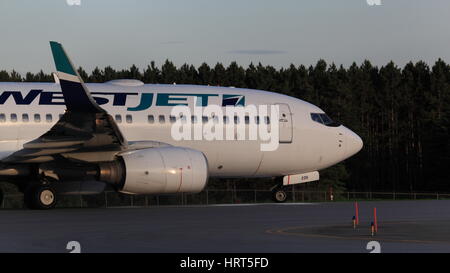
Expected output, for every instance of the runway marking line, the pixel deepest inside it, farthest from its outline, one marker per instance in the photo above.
(284, 231)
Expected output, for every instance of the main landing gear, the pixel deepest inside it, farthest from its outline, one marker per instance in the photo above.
(39, 196)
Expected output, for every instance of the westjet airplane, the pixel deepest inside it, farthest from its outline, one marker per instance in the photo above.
(70, 138)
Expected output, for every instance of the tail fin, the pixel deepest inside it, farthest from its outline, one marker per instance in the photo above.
(76, 95)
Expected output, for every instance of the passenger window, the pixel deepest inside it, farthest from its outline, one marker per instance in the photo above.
(118, 118)
(13, 118)
(129, 118)
(172, 119)
(257, 120)
(205, 119)
(226, 120)
(247, 119)
(236, 120)
(49, 117)
(25, 118)
(162, 119)
(2, 118)
(183, 119)
(193, 119)
(37, 118)
(151, 119)
(267, 120)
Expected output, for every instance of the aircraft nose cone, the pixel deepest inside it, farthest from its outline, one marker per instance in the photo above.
(354, 143)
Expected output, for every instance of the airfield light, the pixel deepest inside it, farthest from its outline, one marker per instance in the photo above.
(357, 213)
(375, 219)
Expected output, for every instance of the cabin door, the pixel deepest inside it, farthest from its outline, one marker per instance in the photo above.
(285, 123)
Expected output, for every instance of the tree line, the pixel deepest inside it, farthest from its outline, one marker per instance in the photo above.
(401, 113)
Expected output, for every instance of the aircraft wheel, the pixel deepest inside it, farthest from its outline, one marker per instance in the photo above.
(41, 197)
(279, 195)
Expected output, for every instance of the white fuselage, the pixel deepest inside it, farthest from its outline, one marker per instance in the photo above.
(304, 146)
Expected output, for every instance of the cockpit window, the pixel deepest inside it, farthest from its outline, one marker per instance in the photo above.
(316, 118)
(324, 119)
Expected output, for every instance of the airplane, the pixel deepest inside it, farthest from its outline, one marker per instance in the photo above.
(72, 138)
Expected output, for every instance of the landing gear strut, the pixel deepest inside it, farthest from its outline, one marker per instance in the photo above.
(38, 196)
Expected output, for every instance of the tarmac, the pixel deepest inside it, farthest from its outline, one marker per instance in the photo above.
(403, 226)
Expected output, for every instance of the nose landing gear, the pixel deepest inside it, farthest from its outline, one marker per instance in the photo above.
(279, 195)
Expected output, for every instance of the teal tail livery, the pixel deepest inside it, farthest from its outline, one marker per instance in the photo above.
(72, 138)
(75, 93)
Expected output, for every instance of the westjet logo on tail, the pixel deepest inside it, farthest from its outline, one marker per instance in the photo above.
(146, 100)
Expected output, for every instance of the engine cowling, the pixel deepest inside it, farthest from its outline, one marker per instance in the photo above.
(160, 170)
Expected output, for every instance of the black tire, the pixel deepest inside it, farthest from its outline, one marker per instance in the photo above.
(279, 195)
(40, 197)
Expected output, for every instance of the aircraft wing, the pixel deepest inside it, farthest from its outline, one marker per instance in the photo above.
(85, 129)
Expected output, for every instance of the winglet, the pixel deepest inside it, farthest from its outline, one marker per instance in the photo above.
(76, 95)
(62, 62)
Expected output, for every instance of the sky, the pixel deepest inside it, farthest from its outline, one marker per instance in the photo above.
(125, 32)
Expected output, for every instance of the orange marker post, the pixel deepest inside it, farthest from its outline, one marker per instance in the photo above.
(375, 220)
(357, 213)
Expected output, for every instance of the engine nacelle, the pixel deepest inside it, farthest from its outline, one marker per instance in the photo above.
(164, 170)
